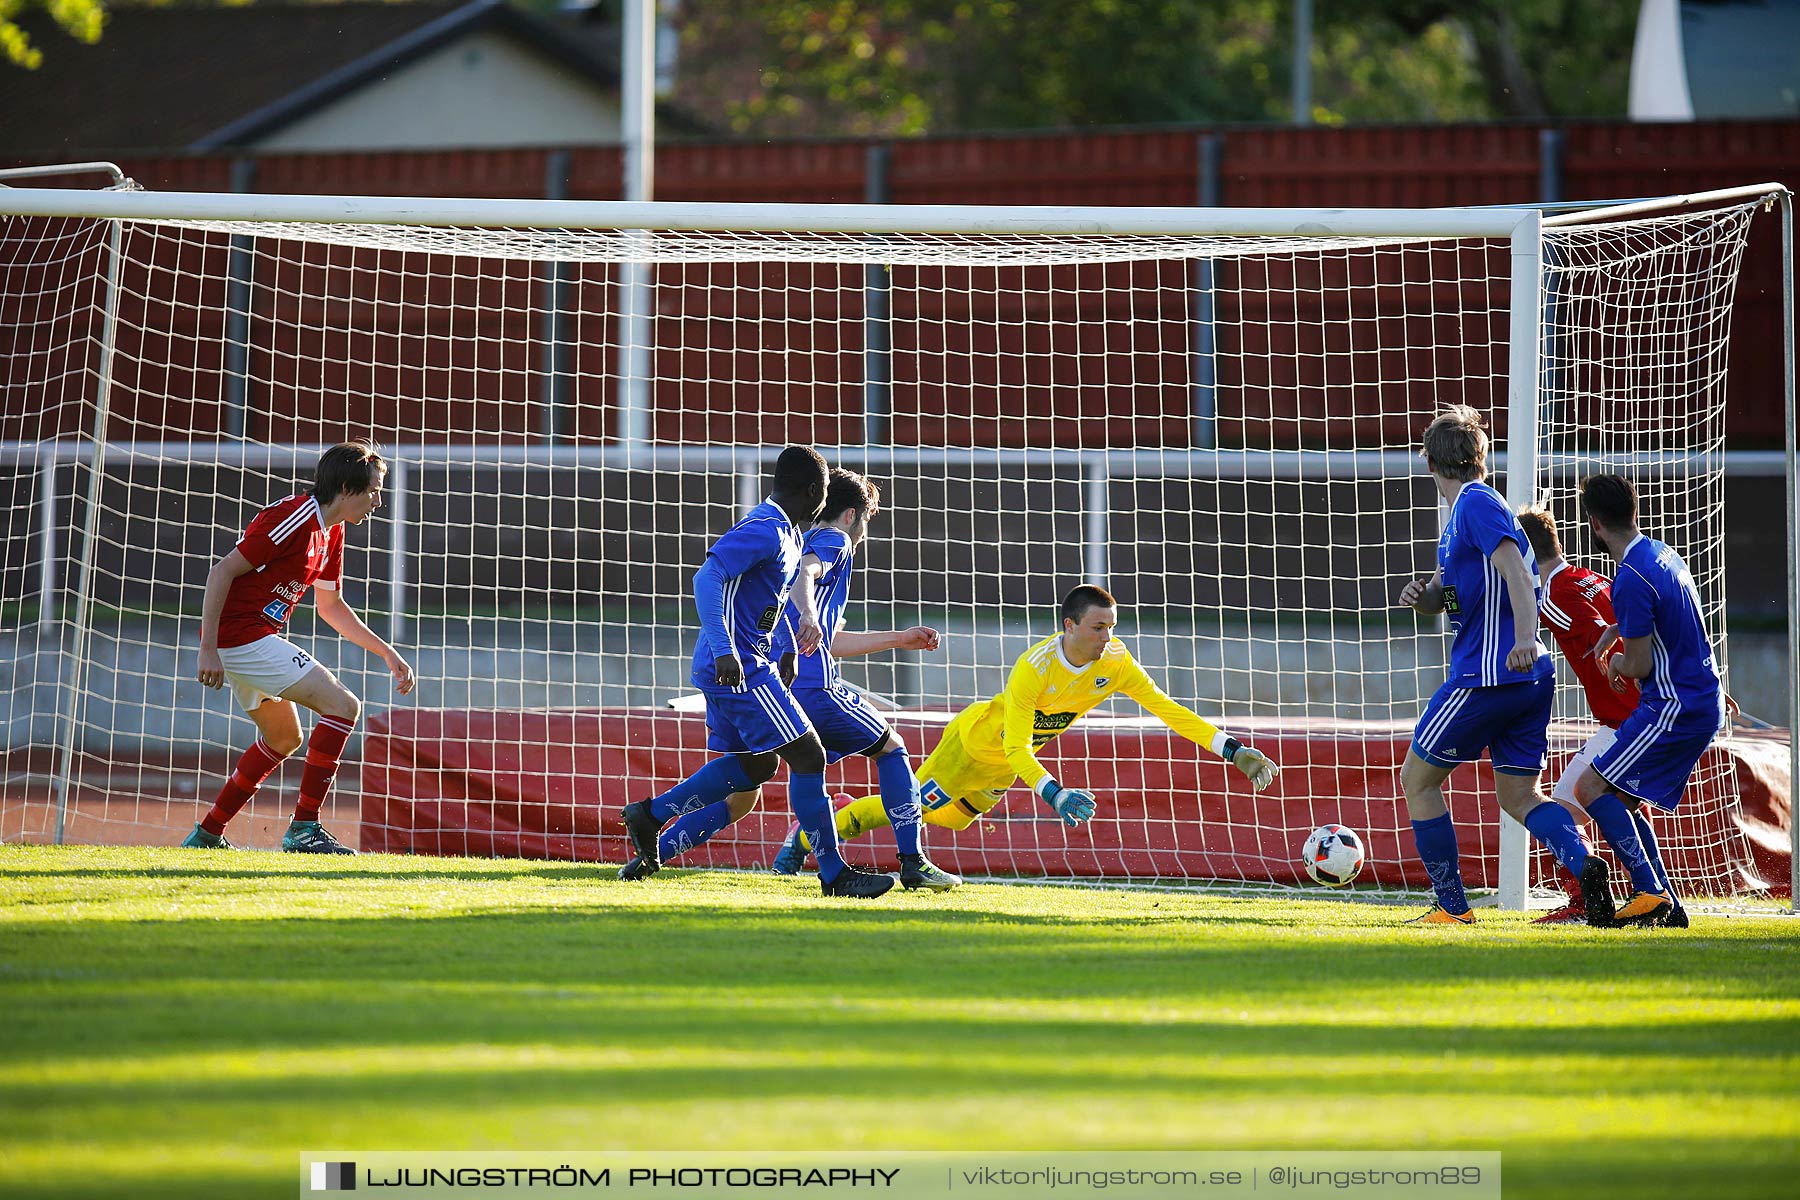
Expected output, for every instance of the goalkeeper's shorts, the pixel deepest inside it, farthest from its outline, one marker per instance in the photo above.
(954, 786)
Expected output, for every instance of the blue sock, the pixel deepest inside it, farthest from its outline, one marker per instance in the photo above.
(900, 797)
(1554, 825)
(692, 830)
(1621, 834)
(1647, 838)
(715, 781)
(806, 795)
(1436, 840)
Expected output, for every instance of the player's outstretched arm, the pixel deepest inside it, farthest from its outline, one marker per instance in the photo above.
(1424, 596)
(855, 644)
(211, 671)
(340, 616)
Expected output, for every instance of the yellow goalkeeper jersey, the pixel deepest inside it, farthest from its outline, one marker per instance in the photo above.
(1046, 694)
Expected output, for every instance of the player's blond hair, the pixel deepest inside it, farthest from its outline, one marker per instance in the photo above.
(1456, 443)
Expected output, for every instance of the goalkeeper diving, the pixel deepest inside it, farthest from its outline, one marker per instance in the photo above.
(992, 744)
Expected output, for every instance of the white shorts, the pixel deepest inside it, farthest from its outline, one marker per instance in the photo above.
(264, 669)
(1597, 745)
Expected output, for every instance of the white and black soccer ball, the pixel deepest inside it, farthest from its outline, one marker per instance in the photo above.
(1333, 855)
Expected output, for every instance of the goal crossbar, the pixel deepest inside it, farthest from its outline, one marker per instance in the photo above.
(998, 220)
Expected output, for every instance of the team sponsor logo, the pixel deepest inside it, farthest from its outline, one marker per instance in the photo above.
(1451, 604)
(770, 615)
(1045, 726)
(1101, 681)
(277, 610)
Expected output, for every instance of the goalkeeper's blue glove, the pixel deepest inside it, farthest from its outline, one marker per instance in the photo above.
(1073, 805)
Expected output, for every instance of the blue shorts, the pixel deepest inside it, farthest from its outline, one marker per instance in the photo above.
(843, 719)
(1510, 721)
(1657, 749)
(763, 716)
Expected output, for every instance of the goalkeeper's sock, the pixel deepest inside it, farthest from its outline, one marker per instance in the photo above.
(806, 795)
(859, 816)
(1436, 840)
(1614, 820)
(257, 764)
(715, 781)
(1554, 825)
(899, 798)
(1647, 839)
(855, 819)
(692, 830)
(324, 749)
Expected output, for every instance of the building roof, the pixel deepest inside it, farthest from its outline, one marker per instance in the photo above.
(211, 78)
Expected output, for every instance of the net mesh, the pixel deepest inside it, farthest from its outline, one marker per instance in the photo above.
(1221, 430)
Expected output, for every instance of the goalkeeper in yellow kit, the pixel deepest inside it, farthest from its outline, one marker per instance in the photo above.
(992, 744)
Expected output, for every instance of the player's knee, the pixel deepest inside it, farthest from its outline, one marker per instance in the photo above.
(1413, 774)
(739, 804)
(1590, 787)
(805, 755)
(760, 768)
(344, 706)
(283, 743)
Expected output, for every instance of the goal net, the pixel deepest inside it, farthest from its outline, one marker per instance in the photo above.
(1221, 429)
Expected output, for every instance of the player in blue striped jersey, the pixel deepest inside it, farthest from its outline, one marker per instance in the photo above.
(752, 719)
(1502, 681)
(1683, 706)
(846, 723)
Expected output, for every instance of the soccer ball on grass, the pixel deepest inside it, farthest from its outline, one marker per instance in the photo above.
(1333, 855)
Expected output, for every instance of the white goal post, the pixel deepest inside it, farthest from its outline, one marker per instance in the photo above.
(1049, 396)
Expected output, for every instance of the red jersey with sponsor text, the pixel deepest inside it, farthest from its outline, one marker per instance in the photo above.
(291, 550)
(1576, 609)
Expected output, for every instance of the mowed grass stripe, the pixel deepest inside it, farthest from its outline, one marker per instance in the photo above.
(188, 1023)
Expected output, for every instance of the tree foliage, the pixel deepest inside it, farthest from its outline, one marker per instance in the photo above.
(80, 19)
(896, 67)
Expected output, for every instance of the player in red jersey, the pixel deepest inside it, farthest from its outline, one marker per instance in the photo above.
(1577, 610)
(291, 546)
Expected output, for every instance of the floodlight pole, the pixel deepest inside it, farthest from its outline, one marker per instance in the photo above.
(637, 121)
(1523, 364)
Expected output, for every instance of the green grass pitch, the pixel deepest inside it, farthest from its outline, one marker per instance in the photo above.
(184, 1023)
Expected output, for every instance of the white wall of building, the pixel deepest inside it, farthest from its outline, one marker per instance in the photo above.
(485, 90)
